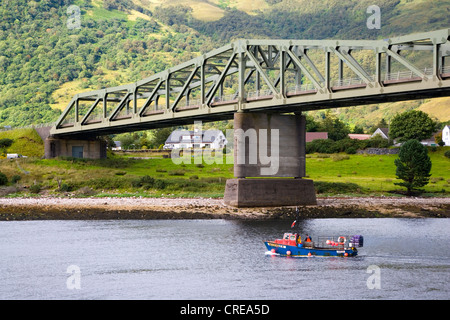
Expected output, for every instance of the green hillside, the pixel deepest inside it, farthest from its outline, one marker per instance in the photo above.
(26, 142)
(43, 62)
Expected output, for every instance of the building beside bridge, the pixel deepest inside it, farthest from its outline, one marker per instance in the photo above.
(191, 139)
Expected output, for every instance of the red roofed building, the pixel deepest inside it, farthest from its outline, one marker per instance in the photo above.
(359, 136)
(310, 136)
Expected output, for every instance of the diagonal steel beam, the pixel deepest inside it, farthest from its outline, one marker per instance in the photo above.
(405, 62)
(119, 106)
(299, 64)
(220, 80)
(261, 71)
(185, 86)
(304, 56)
(86, 116)
(150, 98)
(66, 111)
(353, 64)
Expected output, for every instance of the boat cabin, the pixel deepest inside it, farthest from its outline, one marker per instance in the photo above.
(289, 239)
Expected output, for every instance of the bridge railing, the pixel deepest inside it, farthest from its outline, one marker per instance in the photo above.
(225, 98)
(300, 89)
(348, 82)
(259, 94)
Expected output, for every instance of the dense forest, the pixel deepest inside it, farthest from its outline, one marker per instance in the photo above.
(121, 41)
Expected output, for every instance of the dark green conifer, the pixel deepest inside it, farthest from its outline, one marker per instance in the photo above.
(413, 166)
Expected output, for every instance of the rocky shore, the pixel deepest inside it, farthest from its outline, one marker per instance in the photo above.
(52, 208)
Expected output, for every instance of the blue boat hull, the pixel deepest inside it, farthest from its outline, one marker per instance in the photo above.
(301, 251)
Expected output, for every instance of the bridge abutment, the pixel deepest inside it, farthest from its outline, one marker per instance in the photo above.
(77, 148)
(269, 162)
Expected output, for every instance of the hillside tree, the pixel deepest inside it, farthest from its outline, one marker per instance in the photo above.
(414, 124)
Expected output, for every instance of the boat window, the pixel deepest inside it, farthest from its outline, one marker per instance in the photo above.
(286, 236)
(293, 237)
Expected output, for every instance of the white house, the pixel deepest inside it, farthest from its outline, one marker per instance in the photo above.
(214, 139)
(446, 135)
(117, 146)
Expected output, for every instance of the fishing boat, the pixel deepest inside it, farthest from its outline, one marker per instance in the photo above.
(293, 245)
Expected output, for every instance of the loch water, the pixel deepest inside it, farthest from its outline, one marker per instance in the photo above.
(220, 259)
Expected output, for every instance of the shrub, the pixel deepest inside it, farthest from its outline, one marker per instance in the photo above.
(3, 179)
(447, 154)
(339, 157)
(160, 184)
(65, 187)
(15, 178)
(322, 146)
(347, 145)
(176, 173)
(376, 142)
(144, 181)
(35, 188)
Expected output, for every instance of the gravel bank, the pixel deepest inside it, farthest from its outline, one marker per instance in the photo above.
(51, 208)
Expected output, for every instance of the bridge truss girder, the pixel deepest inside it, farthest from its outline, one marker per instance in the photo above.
(271, 75)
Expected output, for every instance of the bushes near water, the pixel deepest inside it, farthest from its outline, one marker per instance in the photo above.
(3, 179)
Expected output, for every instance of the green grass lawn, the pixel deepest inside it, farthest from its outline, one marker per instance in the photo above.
(374, 173)
(120, 175)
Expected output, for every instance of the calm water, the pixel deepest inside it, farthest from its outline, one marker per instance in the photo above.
(219, 259)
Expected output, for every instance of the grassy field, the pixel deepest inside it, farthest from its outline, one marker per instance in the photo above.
(150, 174)
(155, 177)
(373, 173)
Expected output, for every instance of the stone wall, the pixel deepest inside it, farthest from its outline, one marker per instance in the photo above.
(379, 151)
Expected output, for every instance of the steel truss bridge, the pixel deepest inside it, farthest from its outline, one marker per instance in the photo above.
(279, 76)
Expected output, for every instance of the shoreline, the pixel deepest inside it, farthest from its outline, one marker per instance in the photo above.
(53, 208)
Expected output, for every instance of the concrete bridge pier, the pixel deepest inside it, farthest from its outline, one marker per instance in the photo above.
(269, 162)
(78, 148)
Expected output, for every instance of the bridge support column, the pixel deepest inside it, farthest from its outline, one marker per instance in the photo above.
(77, 148)
(269, 162)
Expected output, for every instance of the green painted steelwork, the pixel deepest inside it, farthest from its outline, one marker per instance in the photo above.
(266, 75)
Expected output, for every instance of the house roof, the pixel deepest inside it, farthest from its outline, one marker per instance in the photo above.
(310, 136)
(359, 136)
(384, 131)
